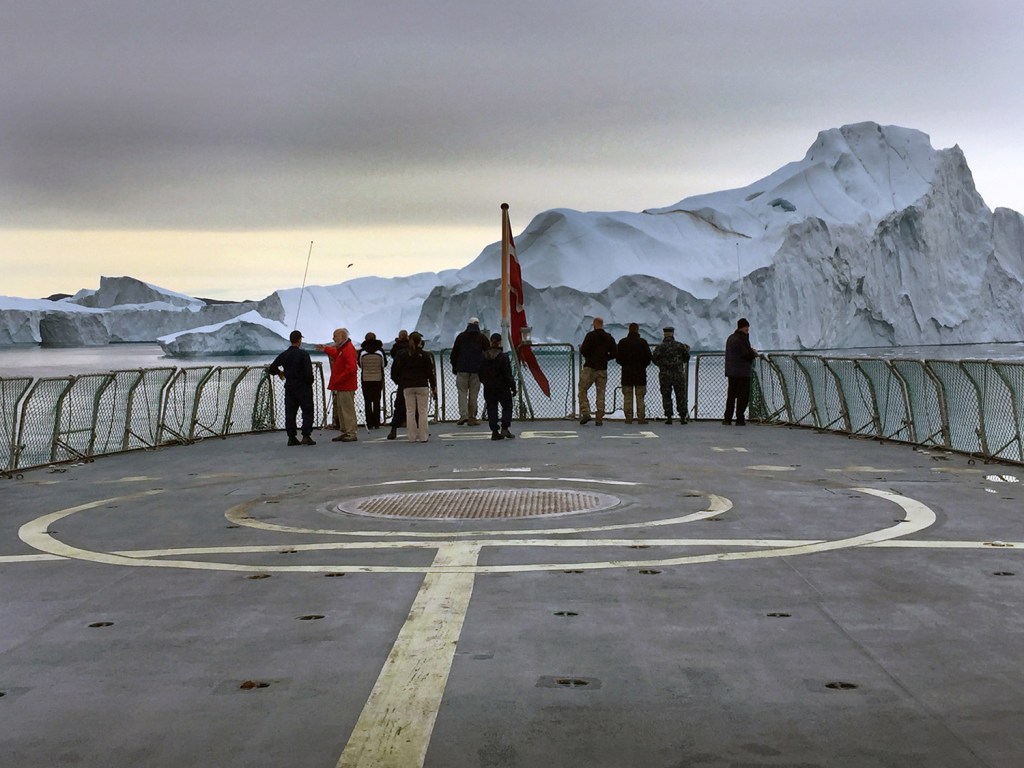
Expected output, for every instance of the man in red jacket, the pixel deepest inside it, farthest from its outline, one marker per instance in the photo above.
(344, 382)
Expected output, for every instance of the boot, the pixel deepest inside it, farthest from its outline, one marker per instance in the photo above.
(506, 434)
(496, 435)
(392, 434)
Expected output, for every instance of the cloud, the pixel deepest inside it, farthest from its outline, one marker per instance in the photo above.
(238, 115)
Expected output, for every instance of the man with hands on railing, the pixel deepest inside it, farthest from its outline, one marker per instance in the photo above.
(597, 349)
(634, 355)
(739, 361)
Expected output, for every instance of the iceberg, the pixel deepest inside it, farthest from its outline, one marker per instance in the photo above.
(873, 238)
(122, 310)
(250, 333)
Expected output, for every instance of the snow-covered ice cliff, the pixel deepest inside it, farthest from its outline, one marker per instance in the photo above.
(873, 238)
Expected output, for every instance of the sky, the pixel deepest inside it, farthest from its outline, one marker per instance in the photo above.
(204, 147)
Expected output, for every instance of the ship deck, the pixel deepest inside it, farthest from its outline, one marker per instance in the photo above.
(664, 596)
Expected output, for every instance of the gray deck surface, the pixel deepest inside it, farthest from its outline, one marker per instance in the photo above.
(898, 573)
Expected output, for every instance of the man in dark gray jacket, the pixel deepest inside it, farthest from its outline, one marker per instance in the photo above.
(467, 352)
(294, 366)
(597, 349)
(634, 355)
(739, 361)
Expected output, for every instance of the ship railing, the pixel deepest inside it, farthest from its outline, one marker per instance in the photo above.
(974, 407)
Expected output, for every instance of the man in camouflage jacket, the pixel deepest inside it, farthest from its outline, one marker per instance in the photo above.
(673, 360)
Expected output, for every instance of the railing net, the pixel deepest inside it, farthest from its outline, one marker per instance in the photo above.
(971, 406)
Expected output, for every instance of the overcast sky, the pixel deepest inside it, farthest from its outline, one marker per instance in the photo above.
(203, 146)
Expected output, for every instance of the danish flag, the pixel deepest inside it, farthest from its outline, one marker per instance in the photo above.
(518, 313)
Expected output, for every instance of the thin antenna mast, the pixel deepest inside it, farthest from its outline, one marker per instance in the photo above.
(739, 274)
(302, 290)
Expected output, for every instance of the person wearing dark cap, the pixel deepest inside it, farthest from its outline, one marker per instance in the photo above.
(739, 361)
(372, 362)
(673, 360)
(499, 388)
(634, 355)
(295, 367)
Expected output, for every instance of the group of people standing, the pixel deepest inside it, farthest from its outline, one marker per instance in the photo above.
(672, 359)
(412, 370)
(634, 355)
(478, 360)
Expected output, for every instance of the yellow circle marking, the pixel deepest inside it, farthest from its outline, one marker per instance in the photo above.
(36, 534)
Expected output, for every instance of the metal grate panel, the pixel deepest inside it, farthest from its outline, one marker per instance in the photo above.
(476, 504)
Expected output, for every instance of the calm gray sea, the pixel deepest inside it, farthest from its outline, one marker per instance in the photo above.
(45, 362)
(48, 362)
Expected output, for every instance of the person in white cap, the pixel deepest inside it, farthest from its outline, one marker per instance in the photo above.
(467, 353)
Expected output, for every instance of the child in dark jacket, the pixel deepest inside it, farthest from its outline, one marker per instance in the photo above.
(499, 388)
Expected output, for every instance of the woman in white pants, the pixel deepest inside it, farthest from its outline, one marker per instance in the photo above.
(418, 381)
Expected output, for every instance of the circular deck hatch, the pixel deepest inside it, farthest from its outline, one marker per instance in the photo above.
(478, 504)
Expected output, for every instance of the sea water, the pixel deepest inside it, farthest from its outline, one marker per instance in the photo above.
(52, 362)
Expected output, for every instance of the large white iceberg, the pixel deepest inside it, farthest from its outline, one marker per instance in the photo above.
(873, 238)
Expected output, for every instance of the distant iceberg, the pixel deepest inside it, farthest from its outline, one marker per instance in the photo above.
(250, 333)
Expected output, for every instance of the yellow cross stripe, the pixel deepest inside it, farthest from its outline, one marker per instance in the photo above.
(394, 728)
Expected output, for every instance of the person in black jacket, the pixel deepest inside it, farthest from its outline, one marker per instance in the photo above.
(467, 352)
(499, 388)
(739, 361)
(597, 349)
(634, 355)
(398, 350)
(295, 367)
(417, 379)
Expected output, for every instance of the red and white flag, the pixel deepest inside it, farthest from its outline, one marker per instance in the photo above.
(517, 312)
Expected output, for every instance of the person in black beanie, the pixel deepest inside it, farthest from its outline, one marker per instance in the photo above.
(372, 362)
(499, 388)
(739, 360)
